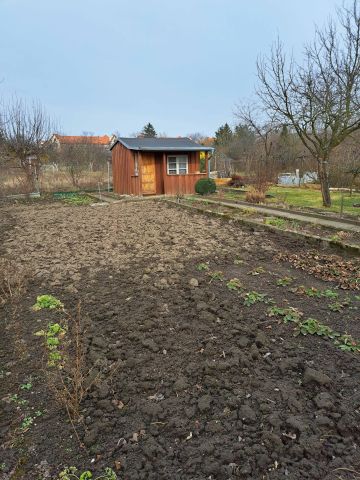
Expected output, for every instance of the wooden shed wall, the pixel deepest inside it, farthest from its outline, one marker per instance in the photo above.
(124, 180)
(183, 184)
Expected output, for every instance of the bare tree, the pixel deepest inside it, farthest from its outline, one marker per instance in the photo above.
(265, 127)
(319, 98)
(25, 133)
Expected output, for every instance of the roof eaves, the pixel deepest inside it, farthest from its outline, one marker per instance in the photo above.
(162, 149)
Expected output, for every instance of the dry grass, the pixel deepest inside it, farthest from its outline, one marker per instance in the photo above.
(14, 182)
(61, 181)
(12, 280)
(255, 196)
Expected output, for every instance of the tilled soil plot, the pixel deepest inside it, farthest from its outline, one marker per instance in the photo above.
(206, 387)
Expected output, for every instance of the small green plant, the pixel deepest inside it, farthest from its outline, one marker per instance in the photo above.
(202, 266)
(17, 400)
(238, 261)
(289, 314)
(312, 326)
(205, 186)
(72, 473)
(47, 301)
(53, 336)
(336, 306)
(257, 271)
(284, 282)
(253, 297)
(27, 385)
(347, 343)
(2, 466)
(312, 292)
(218, 275)
(249, 212)
(275, 222)
(26, 423)
(328, 293)
(234, 284)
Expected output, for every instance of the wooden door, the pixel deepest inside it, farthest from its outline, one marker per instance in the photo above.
(148, 177)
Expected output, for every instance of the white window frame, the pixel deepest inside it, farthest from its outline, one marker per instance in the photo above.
(176, 170)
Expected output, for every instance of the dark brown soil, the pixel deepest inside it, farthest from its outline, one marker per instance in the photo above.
(207, 388)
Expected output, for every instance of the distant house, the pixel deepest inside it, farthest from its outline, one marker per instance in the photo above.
(103, 140)
(294, 179)
(149, 166)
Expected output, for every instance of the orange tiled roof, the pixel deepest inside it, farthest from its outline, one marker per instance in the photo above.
(71, 139)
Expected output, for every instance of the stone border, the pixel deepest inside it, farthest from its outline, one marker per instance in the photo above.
(294, 210)
(313, 239)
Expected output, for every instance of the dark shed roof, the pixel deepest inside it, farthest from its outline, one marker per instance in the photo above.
(162, 144)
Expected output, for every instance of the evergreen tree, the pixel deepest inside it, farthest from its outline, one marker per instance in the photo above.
(148, 131)
(223, 135)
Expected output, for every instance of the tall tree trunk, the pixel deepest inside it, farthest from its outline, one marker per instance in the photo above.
(324, 181)
(29, 173)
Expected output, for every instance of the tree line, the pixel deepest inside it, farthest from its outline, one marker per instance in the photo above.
(306, 113)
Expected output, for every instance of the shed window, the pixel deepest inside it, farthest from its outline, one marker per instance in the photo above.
(177, 164)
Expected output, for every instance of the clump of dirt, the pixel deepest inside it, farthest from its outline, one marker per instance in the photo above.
(207, 386)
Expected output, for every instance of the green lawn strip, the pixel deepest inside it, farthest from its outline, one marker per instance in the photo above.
(306, 197)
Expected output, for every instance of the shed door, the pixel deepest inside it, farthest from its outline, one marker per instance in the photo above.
(148, 178)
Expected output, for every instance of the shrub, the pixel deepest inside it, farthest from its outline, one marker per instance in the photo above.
(236, 181)
(205, 186)
(255, 196)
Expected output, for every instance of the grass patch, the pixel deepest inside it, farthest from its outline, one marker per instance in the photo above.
(311, 198)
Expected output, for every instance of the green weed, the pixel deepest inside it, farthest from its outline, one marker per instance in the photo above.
(284, 282)
(72, 473)
(216, 276)
(48, 302)
(17, 400)
(289, 314)
(315, 292)
(312, 326)
(27, 385)
(202, 266)
(28, 421)
(53, 336)
(257, 271)
(238, 261)
(328, 293)
(253, 297)
(345, 341)
(275, 222)
(234, 284)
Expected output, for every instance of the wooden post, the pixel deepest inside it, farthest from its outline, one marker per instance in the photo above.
(207, 169)
(140, 171)
(164, 172)
(342, 204)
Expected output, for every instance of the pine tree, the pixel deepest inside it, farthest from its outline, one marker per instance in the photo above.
(223, 135)
(148, 131)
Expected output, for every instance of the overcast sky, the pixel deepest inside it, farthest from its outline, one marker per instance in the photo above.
(114, 65)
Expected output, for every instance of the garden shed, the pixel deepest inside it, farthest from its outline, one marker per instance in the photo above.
(156, 166)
